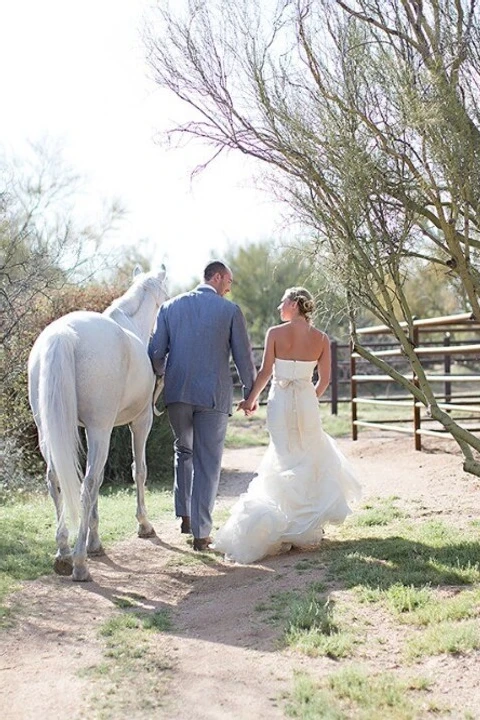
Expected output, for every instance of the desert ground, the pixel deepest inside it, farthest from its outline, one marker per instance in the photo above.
(218, 657)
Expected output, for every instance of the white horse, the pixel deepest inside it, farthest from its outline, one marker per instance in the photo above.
(93, 370)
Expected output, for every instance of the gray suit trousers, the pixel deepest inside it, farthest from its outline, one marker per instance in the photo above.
(199, 434)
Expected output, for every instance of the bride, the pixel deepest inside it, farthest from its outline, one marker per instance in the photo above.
(303, 482)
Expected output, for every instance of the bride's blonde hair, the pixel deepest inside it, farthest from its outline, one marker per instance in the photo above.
(304, 300)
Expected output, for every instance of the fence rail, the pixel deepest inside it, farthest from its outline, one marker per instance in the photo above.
(459, 392)
(449, 357)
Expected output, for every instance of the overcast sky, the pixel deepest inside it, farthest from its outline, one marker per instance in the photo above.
(75, 71)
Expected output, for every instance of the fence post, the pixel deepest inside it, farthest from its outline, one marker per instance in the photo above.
(447, 364)
(353, 392)
(416, 410)
(334, 377)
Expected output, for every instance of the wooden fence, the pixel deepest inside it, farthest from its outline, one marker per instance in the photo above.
(453, 367)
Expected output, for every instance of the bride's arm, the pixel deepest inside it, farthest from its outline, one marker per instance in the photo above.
(323, 367)
(264, 374)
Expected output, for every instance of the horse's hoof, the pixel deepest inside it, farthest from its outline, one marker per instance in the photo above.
(81, 575)
(63, 565)
(147, 532)
(96, 552)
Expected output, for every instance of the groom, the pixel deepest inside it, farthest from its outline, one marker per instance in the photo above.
(194, 336)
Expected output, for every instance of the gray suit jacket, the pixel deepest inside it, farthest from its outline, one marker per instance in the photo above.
(194, 336)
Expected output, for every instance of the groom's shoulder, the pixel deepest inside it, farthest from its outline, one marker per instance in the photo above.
(179, 299)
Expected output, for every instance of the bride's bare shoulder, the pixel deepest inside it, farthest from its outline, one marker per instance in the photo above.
(321, 336)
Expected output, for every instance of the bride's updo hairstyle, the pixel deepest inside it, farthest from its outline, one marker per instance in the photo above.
(304, 300)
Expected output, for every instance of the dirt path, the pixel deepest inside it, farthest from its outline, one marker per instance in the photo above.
(221, 658)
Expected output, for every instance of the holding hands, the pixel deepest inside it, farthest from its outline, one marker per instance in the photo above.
(248, 406)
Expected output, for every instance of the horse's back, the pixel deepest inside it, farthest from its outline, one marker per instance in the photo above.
(110, 365)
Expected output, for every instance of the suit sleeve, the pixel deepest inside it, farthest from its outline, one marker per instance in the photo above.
(242, 352)
(159, 344)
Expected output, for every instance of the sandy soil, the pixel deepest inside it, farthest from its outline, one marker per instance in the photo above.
(221, 660)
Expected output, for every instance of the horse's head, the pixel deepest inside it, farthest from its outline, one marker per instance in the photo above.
(158, 284)
(132, 304)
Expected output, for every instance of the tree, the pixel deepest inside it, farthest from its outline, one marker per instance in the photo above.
(262, 273)
(41, 246)
(366, 116)
(42, 252)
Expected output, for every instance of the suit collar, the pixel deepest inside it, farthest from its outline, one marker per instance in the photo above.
(204, 286)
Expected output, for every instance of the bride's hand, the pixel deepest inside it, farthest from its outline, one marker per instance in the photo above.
(247, 407)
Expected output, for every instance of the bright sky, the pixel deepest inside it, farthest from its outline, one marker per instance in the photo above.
(75, 72)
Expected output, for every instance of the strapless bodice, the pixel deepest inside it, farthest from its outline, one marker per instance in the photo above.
(293, 369)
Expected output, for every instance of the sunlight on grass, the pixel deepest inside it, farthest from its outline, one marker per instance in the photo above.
(447, 637)
(353, 693)
(27, 544)
(27, 541)
(381, 511)
(309, 702)
(420, 554)
(378, 694)
(424, 606)
(425, 573)
(465, 604)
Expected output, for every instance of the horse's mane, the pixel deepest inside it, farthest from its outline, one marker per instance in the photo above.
(130, 301)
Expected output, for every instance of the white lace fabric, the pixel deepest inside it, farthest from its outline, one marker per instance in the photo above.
(303, 481)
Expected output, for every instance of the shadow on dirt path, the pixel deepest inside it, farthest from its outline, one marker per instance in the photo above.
(221, 657)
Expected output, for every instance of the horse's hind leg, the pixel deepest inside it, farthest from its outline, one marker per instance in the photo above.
(94, 546)
(63, 564)
(98, 442)
(140, 429)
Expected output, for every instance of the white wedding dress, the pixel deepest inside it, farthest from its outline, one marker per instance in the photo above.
(303, 482)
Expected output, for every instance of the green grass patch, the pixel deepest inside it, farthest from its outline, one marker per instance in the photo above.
(424, 606)
(425, 573)
(382, 512)
(454, 638)
(376, 696)
(27, 541)
(309, 701)
(133, 675)
(305, 565)
(310, 622)
(463, 605)
(314, 629)
(353, 693)
(421, 554)
(191, 559)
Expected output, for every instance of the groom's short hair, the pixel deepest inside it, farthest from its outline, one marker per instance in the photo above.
(214, 267)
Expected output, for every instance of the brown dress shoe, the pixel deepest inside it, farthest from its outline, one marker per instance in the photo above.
(185, 527)
(202, 544)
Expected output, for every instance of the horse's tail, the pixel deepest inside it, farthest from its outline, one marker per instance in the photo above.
(58, 416)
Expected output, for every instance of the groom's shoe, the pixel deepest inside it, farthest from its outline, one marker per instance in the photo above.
(202, 544)
(185, 527)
